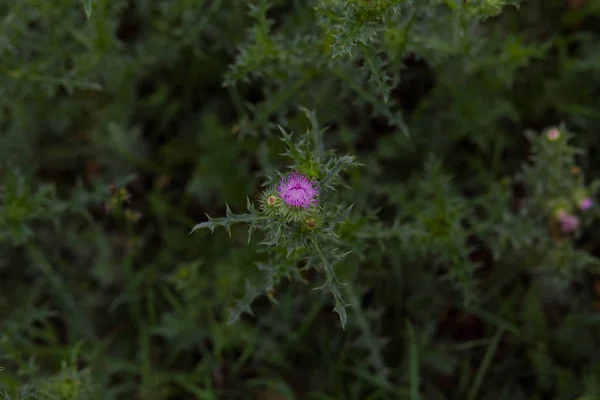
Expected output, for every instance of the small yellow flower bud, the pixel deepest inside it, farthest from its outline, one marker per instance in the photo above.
(271, 201)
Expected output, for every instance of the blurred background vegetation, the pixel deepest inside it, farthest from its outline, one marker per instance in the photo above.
(122, 122)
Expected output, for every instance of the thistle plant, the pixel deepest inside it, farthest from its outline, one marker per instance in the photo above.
(558, 192)
(298, 218)
(557, 186)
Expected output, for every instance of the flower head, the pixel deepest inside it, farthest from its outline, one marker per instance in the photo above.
(586, 203)
(553, 134)
(298, 191)
(568, 222)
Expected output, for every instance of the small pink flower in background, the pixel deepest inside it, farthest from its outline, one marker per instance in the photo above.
(568, 222)
(553, 134)
(298, 191)
(586, 203)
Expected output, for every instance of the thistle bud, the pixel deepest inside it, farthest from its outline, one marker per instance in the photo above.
(583, 200)
(125, 196)
(311, 223)
(586, 203)
(553, 134)
(568, 222)
(133, 215)
(271, 201)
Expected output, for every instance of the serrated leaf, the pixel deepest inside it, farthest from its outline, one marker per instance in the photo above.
(343, 215)
(275, 235)
(340, 164)
(87, 7)
(244, 306)
(340, 309)
(229, 220)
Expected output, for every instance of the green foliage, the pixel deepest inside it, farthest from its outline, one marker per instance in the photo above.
(22, 206)
(69, 384)
(460, 257)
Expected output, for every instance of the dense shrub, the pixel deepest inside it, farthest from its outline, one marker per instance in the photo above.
(437, 159)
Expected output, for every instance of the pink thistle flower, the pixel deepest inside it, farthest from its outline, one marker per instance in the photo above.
(298, 191)
(586, 203)
(568, 222)
(553, 134)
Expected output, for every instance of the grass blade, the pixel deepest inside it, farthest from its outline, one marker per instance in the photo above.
(413, 362)
(485, 363)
